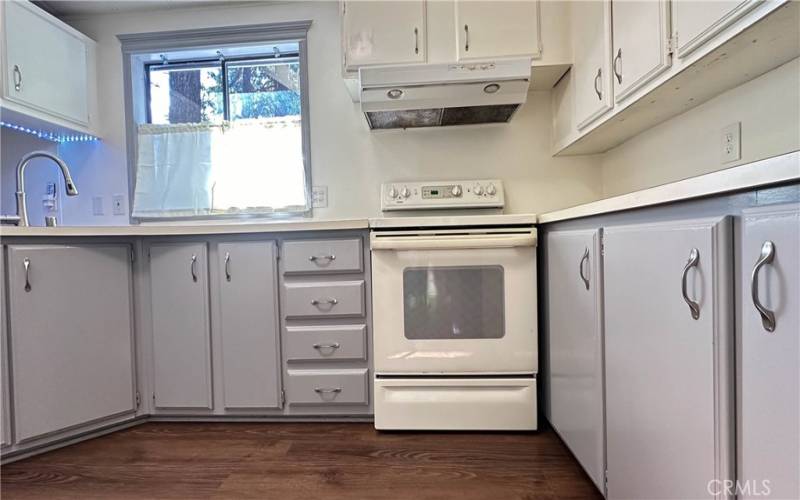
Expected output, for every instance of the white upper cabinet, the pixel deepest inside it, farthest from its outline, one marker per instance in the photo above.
(489, 29)
(641, 44)
(591, 43)
(696, 22)
(46, 64)
(375, 33)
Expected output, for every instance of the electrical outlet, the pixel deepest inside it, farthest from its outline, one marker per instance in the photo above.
(732, 142)
(319, 196)
(118, 204)
(97, 205)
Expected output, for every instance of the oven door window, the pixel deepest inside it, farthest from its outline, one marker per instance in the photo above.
(453, 302)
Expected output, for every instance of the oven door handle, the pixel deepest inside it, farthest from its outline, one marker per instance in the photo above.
(446, 242)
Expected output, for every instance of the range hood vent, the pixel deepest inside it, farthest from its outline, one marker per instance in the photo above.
(437, 95)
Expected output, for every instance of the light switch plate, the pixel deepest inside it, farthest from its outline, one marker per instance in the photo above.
(732, 142)
(319, 197)
(118, 204)
(97, 205)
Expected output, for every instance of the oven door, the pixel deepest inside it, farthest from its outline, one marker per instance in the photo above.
(455, 303)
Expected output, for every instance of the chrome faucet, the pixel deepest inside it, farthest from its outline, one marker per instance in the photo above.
(22, 208)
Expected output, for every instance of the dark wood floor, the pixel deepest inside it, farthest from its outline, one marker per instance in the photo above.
(301, 460)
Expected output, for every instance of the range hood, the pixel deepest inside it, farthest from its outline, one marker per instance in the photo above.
(435, 95)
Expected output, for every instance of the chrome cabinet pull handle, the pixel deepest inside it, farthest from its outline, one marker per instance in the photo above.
(596, 79)
(766, 257)
(228, 266)
(334, 345)
(315, 258)
(316, 302)
(17, 78)
(694, 258)
(327, 390)
(585, 258)
(193, 268)
(466, 38)
(27, 264)
(618, 59)
(416, 41)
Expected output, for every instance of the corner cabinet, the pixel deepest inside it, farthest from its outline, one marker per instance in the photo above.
(48, 67)
(381, 32)
(180, 322)
(769, 393)
(668, 306)
(71, 336)
(575, 346)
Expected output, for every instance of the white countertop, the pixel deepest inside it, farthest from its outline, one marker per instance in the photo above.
(183, 229)
(780, 169)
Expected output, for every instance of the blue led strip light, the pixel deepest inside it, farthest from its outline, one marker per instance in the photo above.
(49, 136)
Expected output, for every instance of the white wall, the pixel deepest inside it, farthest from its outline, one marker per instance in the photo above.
(690, 144)
(346, 157)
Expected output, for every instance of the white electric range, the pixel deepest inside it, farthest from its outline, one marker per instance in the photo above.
(454, 295)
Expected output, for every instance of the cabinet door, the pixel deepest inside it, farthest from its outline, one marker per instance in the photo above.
(576, 345)
(668, 373)
(641, 44)
(769, 405)
(696, 22)
(71, 335)
(46, 66)
(383, 32)
(489, 29)
(591, 45)
(249, 324)
(5, 421)
(181, 337)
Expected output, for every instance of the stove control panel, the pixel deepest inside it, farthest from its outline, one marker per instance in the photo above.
(430, 195)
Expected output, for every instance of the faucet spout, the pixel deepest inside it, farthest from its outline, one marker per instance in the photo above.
(22, 208)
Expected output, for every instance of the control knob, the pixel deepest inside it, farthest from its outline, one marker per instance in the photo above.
(456, 190)
(478, 189)
(491, 190)
(405, 192)
(393, 192)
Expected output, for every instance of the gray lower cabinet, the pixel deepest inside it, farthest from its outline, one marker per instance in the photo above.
(248, 305)
(668, 357)
(180, 325)
(71, 336)
(769, 393)
(575, 345)
(5, 419)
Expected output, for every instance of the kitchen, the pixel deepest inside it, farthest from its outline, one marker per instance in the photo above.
(331, 248)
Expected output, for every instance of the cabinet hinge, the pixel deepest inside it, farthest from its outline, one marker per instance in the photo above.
(605, 480)
(672, 44)
(133, 255)
(148, 254)
(138, 400)
(283, 398)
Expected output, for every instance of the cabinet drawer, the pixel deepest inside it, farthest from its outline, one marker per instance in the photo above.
(317, 300)
(322, 256)
(312, 343)
(327, 387)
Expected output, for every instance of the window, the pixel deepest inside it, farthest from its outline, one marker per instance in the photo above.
(218, 130)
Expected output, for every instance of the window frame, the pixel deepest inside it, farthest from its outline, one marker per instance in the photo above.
(135, 47)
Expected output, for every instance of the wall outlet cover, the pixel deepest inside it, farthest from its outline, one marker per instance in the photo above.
(319, 197)
(118, 204)
(732, 142)
(97, 205)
